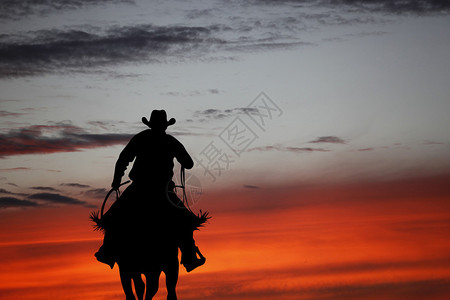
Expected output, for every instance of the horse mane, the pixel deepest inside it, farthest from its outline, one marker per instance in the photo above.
(97, 221)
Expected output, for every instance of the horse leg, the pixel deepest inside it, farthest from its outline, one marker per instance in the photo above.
(171, 271)
(125, 278)
(152, 279)
(139, 286)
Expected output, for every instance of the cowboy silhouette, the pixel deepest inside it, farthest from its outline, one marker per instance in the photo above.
(149, 203)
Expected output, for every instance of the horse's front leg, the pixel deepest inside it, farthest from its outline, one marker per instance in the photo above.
(139, 286)
(171, 270)
(125, 279)
(152, 280)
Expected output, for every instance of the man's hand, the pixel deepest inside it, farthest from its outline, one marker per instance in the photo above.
(115, 184)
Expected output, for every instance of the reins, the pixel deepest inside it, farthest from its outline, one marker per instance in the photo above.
(202, 217)
(109, 193)
(183, 187)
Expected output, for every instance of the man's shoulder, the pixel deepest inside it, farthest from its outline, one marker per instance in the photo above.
(171, 137)
(173, 140)
(141, 136)
(148, 134)
(143, 133)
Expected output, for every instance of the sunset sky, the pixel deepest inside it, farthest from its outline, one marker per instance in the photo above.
(319, 129)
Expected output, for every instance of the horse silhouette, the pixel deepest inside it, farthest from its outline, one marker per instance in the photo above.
(147, 235)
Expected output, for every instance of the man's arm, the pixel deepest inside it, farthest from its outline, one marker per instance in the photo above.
(183, 156)
(126, 156)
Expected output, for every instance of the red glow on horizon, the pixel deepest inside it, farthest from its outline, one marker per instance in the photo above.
(375, 241)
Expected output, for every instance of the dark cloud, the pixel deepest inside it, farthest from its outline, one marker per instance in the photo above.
(390, 6)
(217, 114)
(5, 114)
(3, 191)
(45, 139)
(96, 193)
(39, 199)
(432, 143)
(6, 192)
(106, 125)
(193, 93)
(329, 139)
(56, 198)
(248, 186)
(12, 169)
(44, 188)
(16, 9)
(186, 133)
(90, 49)
(77, 185)
(199, 13)
(395, 6)
(288, 149)
(55, 51)
(6, 202)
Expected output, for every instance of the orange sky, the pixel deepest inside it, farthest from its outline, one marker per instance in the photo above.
(384, 240)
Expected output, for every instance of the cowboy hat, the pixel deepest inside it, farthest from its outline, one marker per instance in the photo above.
(158, 119)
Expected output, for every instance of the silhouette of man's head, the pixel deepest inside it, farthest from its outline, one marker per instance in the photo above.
(158, 120)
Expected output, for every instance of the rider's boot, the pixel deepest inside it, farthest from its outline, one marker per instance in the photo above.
(189, 257)
(105, 257)
(105, 253)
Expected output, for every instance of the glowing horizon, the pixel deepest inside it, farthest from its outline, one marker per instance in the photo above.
(322, 243)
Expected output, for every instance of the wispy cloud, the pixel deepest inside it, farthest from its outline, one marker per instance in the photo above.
(218, 114)
(76, 185)
(13, 169)
(55, 51)
(432, 143)
(395, 6)
(96, 193)
(13, 9)
(194, 93)
(5, 114)
(256, 26)
(57, 198)
(6, 192)
(7, 202)
(51, 196)
(328, 139)
(365, 149)
(45, 139)
(389, 6)
(44, 188)
(288, 149)
(248, 186)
